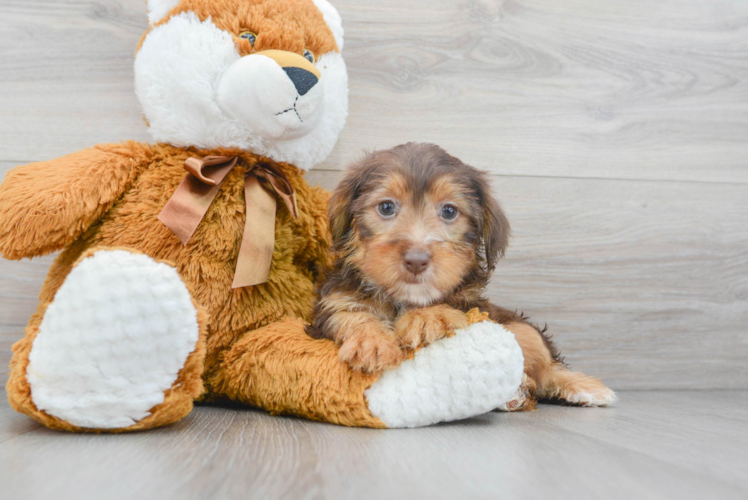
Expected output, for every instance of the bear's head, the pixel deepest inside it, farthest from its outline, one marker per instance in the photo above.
(260, 75)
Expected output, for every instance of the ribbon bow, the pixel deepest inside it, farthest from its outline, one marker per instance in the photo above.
(194, 195)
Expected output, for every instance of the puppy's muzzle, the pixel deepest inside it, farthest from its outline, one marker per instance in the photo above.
(416, 261)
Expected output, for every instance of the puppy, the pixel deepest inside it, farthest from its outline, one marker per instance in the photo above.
(416, 235)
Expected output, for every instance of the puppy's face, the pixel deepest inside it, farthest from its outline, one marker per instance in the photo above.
(417, 222)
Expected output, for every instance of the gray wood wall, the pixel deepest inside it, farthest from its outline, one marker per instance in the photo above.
(616, 133)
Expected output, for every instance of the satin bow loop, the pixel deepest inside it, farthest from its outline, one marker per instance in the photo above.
(195, 194)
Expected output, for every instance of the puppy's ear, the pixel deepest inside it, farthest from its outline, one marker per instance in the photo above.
(340, 214)
(340, 210)
(495, 230)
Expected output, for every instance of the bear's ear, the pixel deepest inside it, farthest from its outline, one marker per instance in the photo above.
(332, 18)
(157, 9)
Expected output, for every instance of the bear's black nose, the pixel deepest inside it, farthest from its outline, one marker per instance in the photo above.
(302, 79)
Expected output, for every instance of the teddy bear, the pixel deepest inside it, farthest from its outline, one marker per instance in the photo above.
(186, 269)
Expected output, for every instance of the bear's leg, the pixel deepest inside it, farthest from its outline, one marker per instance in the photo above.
(281, 369)
(119, 348)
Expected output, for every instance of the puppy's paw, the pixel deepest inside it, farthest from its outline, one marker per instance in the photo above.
(578, 389)
(523, 399)
(371, 352)
(590, 396)
(424, 326)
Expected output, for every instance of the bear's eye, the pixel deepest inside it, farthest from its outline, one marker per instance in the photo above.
(386, 209)
(309, 55)
(248, 35)
(449, 212)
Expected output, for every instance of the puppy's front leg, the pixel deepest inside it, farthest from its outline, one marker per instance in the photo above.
(365, 342)
(423, 326)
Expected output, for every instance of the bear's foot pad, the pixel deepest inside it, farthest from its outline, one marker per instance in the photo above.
(113, 340)
(471, 373)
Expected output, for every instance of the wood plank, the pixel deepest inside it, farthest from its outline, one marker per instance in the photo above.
(642, 283)
(665, 425)
(66, 76)
(229, 453)
(584, 89)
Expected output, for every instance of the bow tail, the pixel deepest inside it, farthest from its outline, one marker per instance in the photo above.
(258, 240)
(192, 199)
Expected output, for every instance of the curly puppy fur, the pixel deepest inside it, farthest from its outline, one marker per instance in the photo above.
(416, 236)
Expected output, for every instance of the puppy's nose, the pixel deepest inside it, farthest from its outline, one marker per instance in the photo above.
(416, 261)
(302, 79)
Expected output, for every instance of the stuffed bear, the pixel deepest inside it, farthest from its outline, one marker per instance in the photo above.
(187, 268)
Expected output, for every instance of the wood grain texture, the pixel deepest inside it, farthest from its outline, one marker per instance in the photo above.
(684, 445)
(66, 76)
(616, 133)
(613, 89)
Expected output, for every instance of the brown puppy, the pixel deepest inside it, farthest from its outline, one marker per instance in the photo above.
(417, 234)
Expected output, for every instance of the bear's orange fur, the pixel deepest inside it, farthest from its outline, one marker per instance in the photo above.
(291, 25)
(110, 196)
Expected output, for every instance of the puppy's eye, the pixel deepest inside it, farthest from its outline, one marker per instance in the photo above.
(309, 55)
(386, 209)
(449, 212)
(248, 35)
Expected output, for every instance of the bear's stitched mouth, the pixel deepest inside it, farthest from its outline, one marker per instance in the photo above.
(292, 108)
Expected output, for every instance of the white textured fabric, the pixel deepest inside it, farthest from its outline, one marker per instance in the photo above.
(468, 374)
(113, 340)
(178, 70)
(258, 93)
(333, 20)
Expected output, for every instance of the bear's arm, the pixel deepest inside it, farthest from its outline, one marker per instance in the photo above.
(47, 205)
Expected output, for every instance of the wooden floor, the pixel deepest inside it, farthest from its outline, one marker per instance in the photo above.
(654, 445)
(616, 135)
